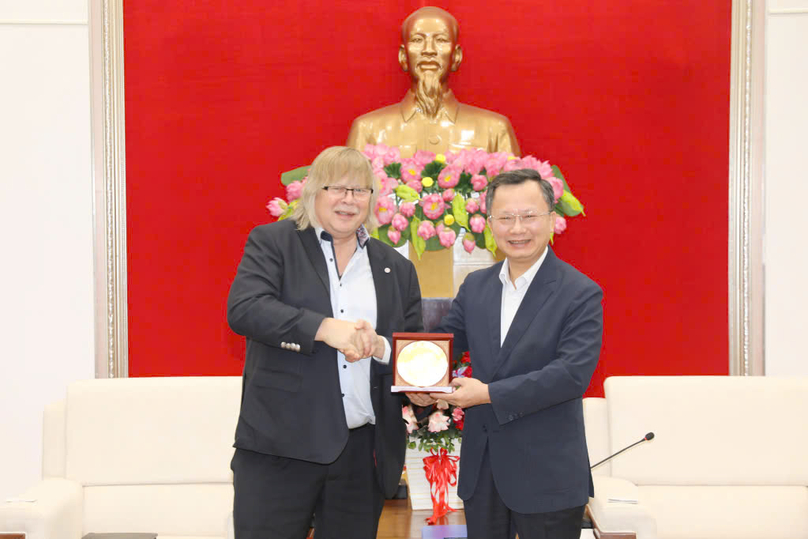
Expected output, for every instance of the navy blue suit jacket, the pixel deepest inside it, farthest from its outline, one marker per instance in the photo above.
(534, 426)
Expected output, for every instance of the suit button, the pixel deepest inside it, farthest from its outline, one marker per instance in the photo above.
(345, 366)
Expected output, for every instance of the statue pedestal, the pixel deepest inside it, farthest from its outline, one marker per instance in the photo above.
(440, 273)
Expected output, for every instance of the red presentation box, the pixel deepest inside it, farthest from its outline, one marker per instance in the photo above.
(422, 362)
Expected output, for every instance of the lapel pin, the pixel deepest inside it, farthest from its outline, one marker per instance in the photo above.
(387, 270)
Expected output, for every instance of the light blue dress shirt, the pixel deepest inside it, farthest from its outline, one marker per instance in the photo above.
(353, 297)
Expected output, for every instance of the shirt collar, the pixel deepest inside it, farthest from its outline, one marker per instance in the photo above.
(362, 236)
(448, 108)
(526, 278)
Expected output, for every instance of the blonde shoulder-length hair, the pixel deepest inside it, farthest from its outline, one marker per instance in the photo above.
(332, 165)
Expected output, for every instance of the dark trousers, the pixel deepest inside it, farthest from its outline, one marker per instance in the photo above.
(275, 497)
(487, 516)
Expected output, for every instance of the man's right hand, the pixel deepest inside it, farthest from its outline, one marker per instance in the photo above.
(343, 335)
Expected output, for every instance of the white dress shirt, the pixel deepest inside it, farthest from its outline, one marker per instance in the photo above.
(353, 297)
(514, 293)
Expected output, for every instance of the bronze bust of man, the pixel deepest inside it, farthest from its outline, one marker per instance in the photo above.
(430, 117)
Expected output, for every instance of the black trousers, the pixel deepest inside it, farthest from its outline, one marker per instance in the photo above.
(275, 497)
(487, 516)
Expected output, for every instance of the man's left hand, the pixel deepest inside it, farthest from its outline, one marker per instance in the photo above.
(468, 392)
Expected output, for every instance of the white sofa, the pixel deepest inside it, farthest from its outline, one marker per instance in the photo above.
(729, 458)
(134, 455)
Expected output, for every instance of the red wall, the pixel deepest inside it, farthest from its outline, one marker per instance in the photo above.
(630, 98)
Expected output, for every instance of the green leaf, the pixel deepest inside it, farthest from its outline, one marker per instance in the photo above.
(490, 243)
(557, 174)
(418, 242)
(382, 235)
(569, 205)
(406, 193)
(432, 170)
(375, 233)
(459, 211)
(393, 170)
(295, 175)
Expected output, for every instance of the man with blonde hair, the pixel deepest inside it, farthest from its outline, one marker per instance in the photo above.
(319, 430)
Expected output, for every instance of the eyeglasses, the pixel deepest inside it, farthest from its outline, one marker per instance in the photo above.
(508, 220)
(339, 191)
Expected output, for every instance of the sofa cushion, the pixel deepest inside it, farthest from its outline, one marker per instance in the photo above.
(710, 430)
(596, 424)
(699, 512)
(151, 430)
(183, 510)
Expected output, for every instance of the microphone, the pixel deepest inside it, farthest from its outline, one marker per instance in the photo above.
(648, 437)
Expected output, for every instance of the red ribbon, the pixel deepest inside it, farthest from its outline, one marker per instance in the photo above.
(441, 471)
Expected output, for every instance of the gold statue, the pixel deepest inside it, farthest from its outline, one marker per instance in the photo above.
(430, 117)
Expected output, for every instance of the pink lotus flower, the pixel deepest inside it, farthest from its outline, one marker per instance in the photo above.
(294, 190)
(449, 177)
(373, 151)
(415, 184)
(385, 210)
(423, 157)
(468, 243)
(472, 205)
(409, 418)
(407, 209)
(442, 404)
(410, 170)
(394, 235)
(544, 169)
(448, 195)
(433, 206)
(451, 157)
(438, 422)
(426, 229)
(458, 414)
(482, 204)
(447, 237)
(276, 207)
(399, 222)
(560, 225)
(479, 182)
(477, 223)
(392, 155)
(558, 187)
(495, 162)
(377, 163)
(513, 164)
(388, 185)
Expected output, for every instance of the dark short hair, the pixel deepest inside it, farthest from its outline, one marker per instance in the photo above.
(516, 177)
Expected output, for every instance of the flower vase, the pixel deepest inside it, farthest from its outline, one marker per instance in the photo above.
(419, 494)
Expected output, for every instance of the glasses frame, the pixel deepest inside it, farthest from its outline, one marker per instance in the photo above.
(517, 217)
(357, 192)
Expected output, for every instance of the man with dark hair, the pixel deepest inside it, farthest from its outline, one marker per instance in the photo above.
(533, 325)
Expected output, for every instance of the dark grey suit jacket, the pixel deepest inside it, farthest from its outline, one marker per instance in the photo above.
(291, 404)
(534, 426)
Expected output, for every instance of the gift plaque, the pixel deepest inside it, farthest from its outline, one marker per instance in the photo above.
(421, 362)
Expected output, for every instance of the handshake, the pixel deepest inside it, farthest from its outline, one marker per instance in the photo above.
(356, 340)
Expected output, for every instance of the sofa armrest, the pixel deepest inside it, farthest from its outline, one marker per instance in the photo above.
(619, 519)
(51, 509)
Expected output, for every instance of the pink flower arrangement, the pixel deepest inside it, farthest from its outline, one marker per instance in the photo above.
(428, 199)
(438, 421)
